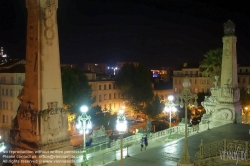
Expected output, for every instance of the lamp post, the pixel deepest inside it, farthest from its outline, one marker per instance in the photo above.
(183, 99)
(2, 147)
(84, 124)
(170, 107)
(121, 127)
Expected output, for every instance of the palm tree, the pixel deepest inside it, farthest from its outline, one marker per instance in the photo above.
(211, 65)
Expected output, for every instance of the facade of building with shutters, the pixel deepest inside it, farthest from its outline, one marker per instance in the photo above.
(12, 75)
(192, 71)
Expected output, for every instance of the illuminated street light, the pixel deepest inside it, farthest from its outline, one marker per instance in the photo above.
(2, 147)
(170, 107)
(184, 99)
(121, 127)
(84, 124)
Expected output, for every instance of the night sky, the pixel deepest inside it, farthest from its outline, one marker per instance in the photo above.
(154, 32)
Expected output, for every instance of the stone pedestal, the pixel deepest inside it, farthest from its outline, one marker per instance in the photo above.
(192, 164)
(41, 136)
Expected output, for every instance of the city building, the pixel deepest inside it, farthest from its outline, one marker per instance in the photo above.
(12, 76)
(95, 67)
(203, 84)
(243, 77)
(192, 71)
(108, 97)
(162, 74)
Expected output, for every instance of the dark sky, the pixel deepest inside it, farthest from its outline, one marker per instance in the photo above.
(154, 32)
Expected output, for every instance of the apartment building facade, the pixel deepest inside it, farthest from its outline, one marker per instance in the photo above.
(244, 77)
(203, 84)
(107, 95)
(198, 83)
(12, 75)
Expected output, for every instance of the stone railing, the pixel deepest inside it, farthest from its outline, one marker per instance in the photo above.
(107, 151)
(215, 153)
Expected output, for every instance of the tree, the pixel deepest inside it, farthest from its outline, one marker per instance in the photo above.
(211, 65)
(135, 85)
(154, 107)
(76, 90)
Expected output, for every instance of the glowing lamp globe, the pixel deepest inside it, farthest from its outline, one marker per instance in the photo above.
(84, 109)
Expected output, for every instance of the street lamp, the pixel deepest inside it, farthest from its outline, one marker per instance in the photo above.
(84, 124)
(2, 147)
(121, 127)
(170, 107)
(183, 99)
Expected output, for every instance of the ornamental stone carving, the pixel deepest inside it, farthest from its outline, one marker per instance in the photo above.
(224, 114)
(49, 33)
